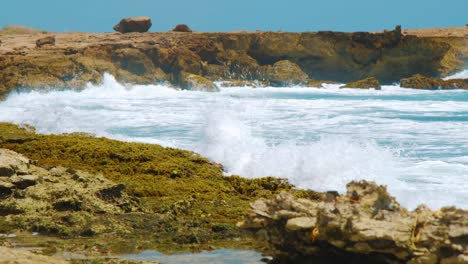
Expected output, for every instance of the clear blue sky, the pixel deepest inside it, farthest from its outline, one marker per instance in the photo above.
(227, 15)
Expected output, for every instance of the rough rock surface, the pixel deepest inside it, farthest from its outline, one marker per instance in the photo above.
(78, 58)
(284, 73)
(59, 200)
(11, 256)
(133, 24)
(50, 40)
(419, 81)
(367, 83)
(182, 28)
(197, 83)
(366, 224)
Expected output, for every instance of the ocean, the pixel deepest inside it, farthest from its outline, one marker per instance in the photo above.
(413, 141)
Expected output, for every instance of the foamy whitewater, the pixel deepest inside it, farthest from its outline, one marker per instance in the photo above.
(416, 142)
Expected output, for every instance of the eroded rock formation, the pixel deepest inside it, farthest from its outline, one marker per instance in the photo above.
(366, 225)
(78, 58)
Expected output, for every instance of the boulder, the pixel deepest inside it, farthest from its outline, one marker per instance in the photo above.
(196, 82)
(366, 225)
(285, 73)
(50, 40)
(367, 83)
(182, 28)
(419, 81)
(25, 181)
(133, 24)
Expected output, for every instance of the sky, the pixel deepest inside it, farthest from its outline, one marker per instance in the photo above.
(228, 15)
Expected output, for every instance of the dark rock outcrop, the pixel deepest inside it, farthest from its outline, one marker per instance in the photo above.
(366, 225)
(50, 40)
(182, 28)
(419, 81)
(367, 83)
(133, 24)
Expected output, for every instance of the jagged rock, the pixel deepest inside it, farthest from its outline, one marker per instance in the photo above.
(182, 28)
(24, 181)
(366, 224)
(10, 164)
(367, 83)
(284, 73)
(195, 82)
(133, 24)
(419, 81)
(50, 40)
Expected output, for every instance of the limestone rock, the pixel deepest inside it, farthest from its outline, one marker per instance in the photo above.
(50, 40)
(195, 82)
(419, 81)
(182, 28)
(284, 73)
(367, 83)
(367, 225)
(133, 24)
(300, 223)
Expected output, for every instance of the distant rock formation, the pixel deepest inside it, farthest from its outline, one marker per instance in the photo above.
(133, 24)
(272, 58)
(367, 83)
(49, 40)
(419, 81)
(182, 28)
(366, 225)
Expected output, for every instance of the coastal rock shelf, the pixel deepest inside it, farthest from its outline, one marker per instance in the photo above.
(142, 58)
(366, 225)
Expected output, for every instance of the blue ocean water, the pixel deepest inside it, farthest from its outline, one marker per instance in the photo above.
(413, 141)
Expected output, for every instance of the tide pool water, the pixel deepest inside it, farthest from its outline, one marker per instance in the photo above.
(415, 142)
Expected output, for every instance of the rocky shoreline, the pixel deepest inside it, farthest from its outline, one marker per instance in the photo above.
(193, 60)
(79, 192)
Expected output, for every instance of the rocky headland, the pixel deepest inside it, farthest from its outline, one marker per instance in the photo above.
(192, 60)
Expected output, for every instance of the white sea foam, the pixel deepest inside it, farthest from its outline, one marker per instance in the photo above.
(413, 141)
(460, 75)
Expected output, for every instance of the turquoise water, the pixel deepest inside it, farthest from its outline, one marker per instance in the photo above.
(415, 142)
(224, 256)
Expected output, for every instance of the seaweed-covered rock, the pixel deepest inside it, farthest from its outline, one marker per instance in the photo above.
(367, 83)
(284, 73)
(133, 24)
(419, 81)
(41, 199)
(182, 28)
(365, 225)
